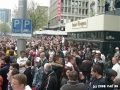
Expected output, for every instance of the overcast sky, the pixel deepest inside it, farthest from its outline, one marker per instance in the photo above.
(10, 4)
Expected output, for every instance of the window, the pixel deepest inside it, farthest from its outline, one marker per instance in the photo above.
(76, 10)
(98, 8)
(65, 1)
(72, 2)
(61, 20)
(86, 11)
(65, 9)
(76, 3)
(69, 9)
(79, 3)
(61, 9)
(82, 11)
(86, 4)
(72, 10)
(69, 2)
(83, 4)
(79, 10)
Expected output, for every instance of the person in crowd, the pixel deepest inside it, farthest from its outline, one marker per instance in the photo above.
(10, 74)
(97, 79)
(88, 52)
(71, 62)
(3, 55)
(1, 82)
(57, 67)
(73, 83)
(116, 66)
(93, 55)
(117, 83)
(4, 70)
(44, 59)
(22, 61)
(14, 65)
(81, 55)
(19, 82)
(110, 76)
(78, 58)
(108, 62)
(7, 50)
(60, 51)
(116, 51)
(38, 76)
(102, 56)
(86, 67)
(65, 74)
(98, 61)
(31, 57)
(51, 58)
(13, 58)
(28, 73)
(51, 51)
(49, 79)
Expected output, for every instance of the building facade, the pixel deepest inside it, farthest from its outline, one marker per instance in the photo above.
(100, 31)
(5, 15)
(71, 10)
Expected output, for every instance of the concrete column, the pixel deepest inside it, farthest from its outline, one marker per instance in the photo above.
(22, 11)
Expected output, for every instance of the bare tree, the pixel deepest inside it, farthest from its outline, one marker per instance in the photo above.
(38, 14)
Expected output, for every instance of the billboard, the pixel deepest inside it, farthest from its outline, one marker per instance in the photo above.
(59, 10)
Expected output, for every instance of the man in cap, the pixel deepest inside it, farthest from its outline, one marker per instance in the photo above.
(116, 51)
(38, 76)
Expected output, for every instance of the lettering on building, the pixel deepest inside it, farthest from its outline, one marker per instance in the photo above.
(79, 24)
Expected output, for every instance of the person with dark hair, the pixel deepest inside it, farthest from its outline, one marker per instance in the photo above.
(22, 61)
(4, 70)
(86, 67)
(11, 73)
(3, 55)
(13, 59)
(57, 67)
(110, 76)
(14, 65)
(73, 83)
(28, 73)
(97, 79)
(108, 62)
(65, 75)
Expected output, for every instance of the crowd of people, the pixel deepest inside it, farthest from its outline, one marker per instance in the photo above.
(51, 63)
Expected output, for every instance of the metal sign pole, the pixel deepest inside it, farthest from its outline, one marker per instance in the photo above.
(22, 11)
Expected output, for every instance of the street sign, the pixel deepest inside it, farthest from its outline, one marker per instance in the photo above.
(27, 26)
(16, 25)
(21, 27)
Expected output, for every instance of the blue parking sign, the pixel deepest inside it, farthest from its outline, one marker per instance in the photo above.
(16, 25)
(21, 27)
(27, 26)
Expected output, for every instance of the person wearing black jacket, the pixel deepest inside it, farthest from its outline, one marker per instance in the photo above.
(28, 73)
(110, 76)
(4, 70)
(49, 79)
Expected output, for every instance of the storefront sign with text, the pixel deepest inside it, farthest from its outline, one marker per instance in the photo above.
(80, 24)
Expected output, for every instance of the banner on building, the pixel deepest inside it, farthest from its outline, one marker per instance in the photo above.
(59, 10)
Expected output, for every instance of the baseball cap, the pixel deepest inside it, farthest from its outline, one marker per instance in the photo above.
(117, 48)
